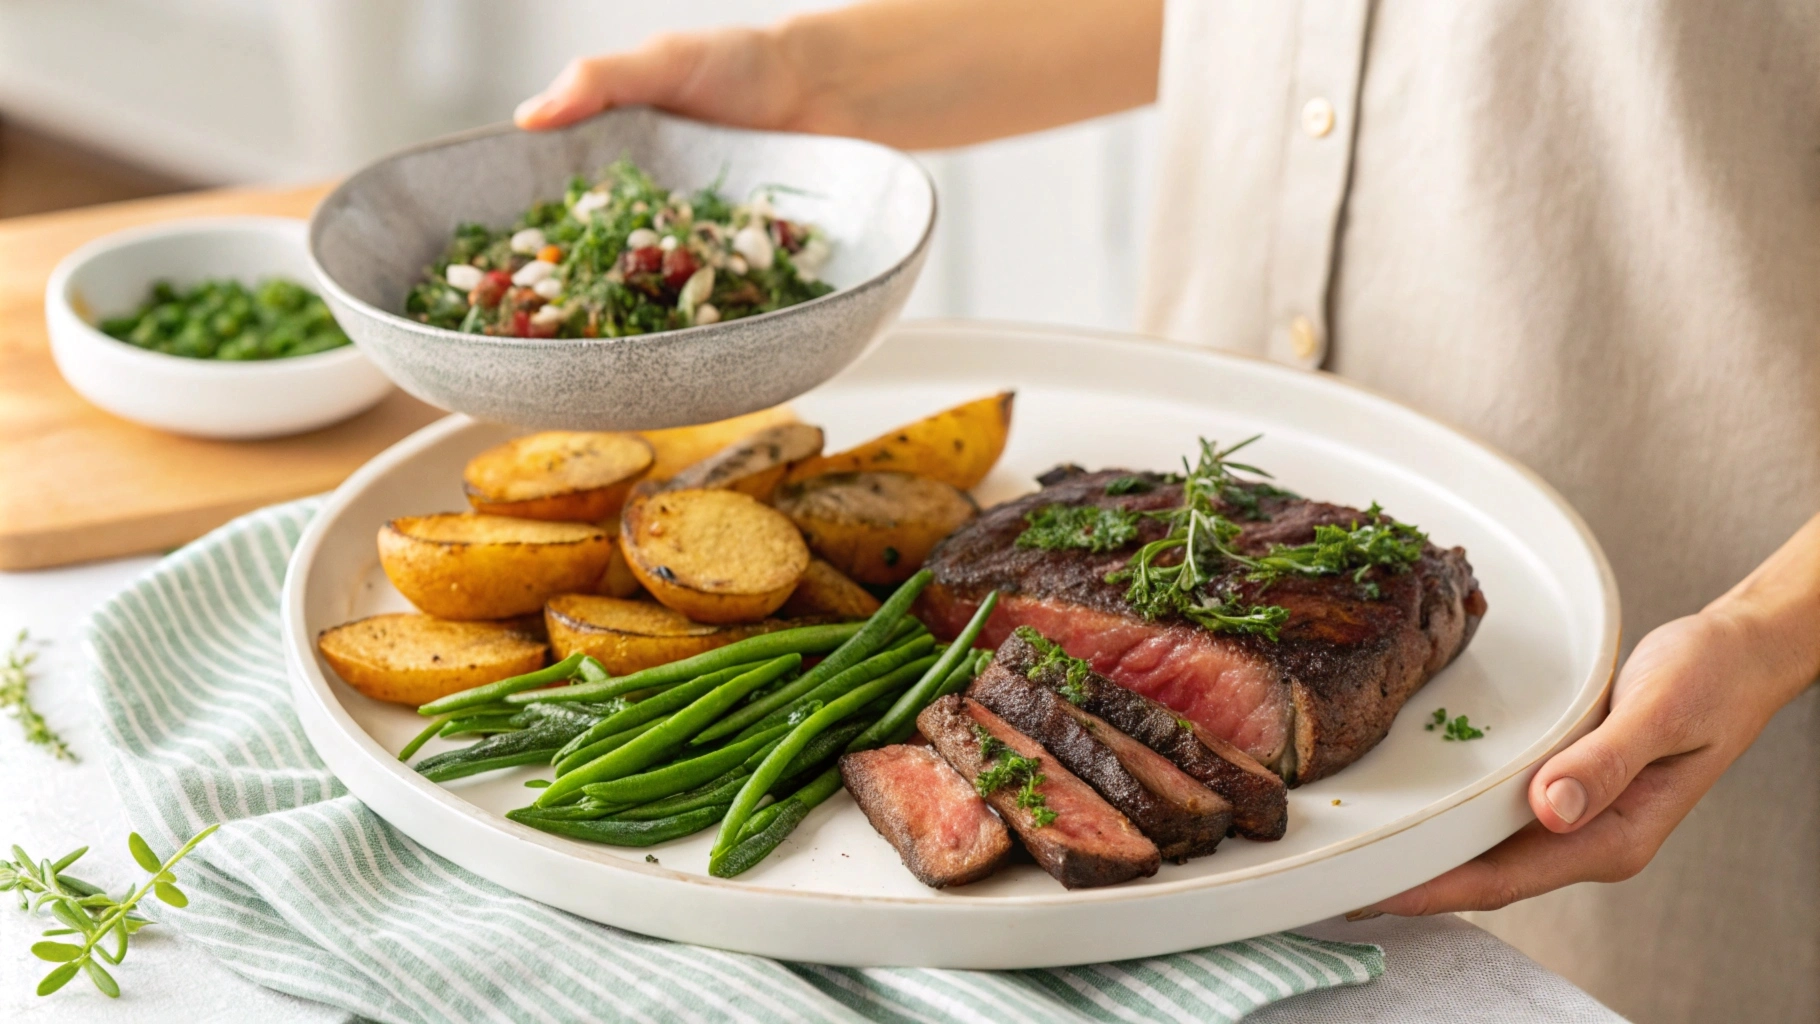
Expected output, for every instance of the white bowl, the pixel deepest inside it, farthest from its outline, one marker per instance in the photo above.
(111, 276)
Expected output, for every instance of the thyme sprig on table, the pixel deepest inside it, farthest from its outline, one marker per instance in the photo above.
(15, 697)
(104, 924)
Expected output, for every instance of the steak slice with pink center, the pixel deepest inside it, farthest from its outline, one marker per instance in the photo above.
(1305, 705)
(941, 828)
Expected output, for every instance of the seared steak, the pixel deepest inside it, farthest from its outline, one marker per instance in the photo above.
(941, 828)
(1260, 801)
(1086, 843)
(1184, 818)
(1306, 705)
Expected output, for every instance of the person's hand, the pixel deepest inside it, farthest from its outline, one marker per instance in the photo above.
(734, 76)
(920, 74)
(1692, 697)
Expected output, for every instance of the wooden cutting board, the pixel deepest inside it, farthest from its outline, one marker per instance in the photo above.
(77, 483)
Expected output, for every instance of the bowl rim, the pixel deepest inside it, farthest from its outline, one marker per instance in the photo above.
(57, 295)
(329, 284)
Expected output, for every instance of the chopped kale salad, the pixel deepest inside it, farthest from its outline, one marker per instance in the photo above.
(622, 256)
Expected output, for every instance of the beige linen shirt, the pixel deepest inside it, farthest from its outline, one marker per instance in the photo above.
(1589, 232)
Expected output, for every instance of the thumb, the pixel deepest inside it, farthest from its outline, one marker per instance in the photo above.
(652, 74)
(1572, 787)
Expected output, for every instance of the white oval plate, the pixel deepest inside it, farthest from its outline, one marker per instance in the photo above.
(835, 892)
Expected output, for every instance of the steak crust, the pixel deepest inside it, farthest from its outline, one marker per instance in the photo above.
(1088, 843)
(1259, 798)
(1184, 818)
(1306, 705)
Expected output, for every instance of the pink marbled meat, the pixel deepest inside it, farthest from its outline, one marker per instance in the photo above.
(1225, 690)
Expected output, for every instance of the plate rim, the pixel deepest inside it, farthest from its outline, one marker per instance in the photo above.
(309, 680)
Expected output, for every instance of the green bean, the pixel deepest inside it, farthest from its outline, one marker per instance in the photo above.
(774, 764)
(532, 745)
(963, 674)
(585, 810)
(882, 663)
(566, 764)
(872, 637)
(478, 727)
(654, 706)
(591, 670)
(822, 747)
(423, 737)
(764, 647)
(675, 778)
(491, 692)
(654, 745)
(747, 852)
(900, 721)
(760, 820)
(719, 791)
(627, 833)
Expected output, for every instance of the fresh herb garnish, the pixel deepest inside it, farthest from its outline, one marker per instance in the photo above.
(1453, 728)
(1074, 671)
(100, 920)
(15, 680)
(1190, 571)
(1010, 768)
(1088, 527)
(1129, 485)
(1357, 549)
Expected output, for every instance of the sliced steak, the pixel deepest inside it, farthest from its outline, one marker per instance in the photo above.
(1182, 817)
(1259, 799)
(941, 828)
(1306, 705)
(1087, 842)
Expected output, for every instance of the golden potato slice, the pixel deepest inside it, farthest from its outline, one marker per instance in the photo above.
(753, 465)
(823, 590)
(958, 446)
(715, 556)
(630, 635)
(679, 447)
(414, 659)
(564, 475)
(468, 566)
(875, 527)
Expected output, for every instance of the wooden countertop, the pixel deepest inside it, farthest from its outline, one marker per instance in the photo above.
(77, 483)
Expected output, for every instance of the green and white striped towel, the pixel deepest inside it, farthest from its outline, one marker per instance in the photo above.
(307, 891)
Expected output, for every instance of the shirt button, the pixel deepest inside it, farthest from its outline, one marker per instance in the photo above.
(1303, 337)
(1317, 117)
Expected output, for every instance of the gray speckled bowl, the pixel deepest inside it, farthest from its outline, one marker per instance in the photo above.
(375, 234)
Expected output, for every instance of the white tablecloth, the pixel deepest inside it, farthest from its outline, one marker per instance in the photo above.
(1438, 970)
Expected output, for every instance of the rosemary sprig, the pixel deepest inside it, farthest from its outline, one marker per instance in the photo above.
(98, 919)
(15, 697)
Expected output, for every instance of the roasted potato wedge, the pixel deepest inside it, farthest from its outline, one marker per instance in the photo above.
(630, 635)
(715, 556)
(414, 659)
(875, 527)
(755, 464)
(468, 566)
(680, 447)
(563, 475)
(958, 446)
(823, 590)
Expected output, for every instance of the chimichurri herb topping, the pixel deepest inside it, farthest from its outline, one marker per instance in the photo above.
(1087, 527)
(1453, 728)
(1008, 768)
(1074, 670)
(1129, 485)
